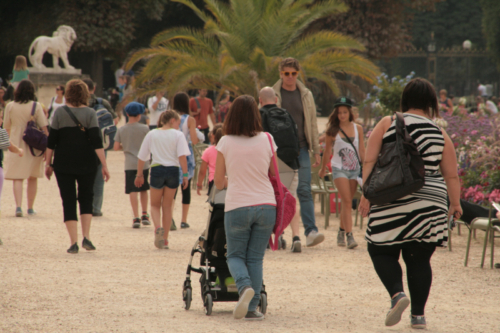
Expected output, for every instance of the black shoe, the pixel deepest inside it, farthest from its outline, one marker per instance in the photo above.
(137, 223)
(87, 245)
(97, 214)
(184, 225)
(73, 249)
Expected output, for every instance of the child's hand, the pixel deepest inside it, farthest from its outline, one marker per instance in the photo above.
(139, 181)
(21, 152)
(184, 183)
(198, 189)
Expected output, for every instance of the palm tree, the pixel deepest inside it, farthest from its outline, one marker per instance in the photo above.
(242, 43)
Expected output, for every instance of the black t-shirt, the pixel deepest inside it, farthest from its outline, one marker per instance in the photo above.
(292, 102)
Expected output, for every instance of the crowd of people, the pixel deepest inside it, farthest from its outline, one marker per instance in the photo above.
(159, 161)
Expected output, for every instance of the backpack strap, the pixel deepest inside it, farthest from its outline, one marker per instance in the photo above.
(198, 105)
(33, 109)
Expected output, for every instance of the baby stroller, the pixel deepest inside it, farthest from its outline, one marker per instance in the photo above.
(216, 282)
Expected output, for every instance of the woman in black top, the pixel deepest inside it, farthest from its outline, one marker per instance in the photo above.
(77, 152)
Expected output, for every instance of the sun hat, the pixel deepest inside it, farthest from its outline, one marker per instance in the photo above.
(134, 109)
(343, 101)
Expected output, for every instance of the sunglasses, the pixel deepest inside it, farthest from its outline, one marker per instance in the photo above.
(290, 73)
(58, 89)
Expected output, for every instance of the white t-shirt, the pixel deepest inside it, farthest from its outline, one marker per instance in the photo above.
(491, 106)
(166, 146)
(481, 89)
(247, 167)
(55, 105)
(154, 115)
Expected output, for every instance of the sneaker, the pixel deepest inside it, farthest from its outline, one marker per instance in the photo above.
(184, 225)
(87, 245)
(137, 223)
(31, 211)
(165, 244)
(341, 238)
(173, 227)
(97, 214)
(159, 237)
(351, 243)
(73, 249)
(314, 238)
(254, 315)
(145, 219)
(241, 308)
(19, 212)
(418, 322)
(398, 305)
(296, 245)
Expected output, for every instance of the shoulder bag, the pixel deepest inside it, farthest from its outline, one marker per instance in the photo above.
(399, 170)
(75, 119)
(34, 137)
(285, 203)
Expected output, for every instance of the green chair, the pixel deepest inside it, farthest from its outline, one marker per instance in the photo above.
(486, 225)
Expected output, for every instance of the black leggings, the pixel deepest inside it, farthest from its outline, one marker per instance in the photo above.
(186, 194)
(418, 270)
(66, 183)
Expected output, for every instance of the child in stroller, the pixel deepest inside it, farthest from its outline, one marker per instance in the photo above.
(216, 282)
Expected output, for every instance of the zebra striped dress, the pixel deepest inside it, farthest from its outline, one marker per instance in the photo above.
(422, 216)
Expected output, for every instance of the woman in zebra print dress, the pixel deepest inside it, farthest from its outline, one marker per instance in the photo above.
(415, 224)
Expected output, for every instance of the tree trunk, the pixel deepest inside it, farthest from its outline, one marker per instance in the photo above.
(96, 71)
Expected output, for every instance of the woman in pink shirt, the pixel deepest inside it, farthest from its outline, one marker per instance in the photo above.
(209, 157)
(245, 154)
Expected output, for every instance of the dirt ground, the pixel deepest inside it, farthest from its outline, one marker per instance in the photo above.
(128, 285)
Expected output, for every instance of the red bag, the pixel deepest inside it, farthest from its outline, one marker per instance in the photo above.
(285, 203)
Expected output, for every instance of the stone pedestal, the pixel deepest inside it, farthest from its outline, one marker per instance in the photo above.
(46, 80)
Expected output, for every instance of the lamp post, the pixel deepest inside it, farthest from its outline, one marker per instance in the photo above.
(431, 60)
(466, 45)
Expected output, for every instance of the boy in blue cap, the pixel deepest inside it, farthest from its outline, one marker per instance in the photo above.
(129, 138)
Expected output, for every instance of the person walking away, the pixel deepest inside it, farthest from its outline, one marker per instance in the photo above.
(188, 128)
(20, 71)
(156, 105)
(201, 107)
(29, 166)
(294, 97)
(169, 148)
(129, 139)
(285, 133)
(209, 157)
(245, 154)
(347, 139)
(56, 101)
(417, 223)
(97, 103)
(222, 107)
(76, 145)
(5, 143)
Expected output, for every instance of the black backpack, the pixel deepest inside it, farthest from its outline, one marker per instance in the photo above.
(280, 124)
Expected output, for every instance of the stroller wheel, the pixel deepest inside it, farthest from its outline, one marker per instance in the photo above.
(208, 304)
(187, 295)
(263, 303)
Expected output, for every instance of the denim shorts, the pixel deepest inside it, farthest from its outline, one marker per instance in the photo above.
(162, 176)
(349, 174)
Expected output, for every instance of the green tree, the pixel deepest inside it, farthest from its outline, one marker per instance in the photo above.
(242, 43)
(491, 28)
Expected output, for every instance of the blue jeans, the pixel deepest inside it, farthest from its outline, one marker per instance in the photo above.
(98, 189)
(247, 233)
(304, 192)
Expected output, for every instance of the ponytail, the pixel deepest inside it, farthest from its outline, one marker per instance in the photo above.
(217, 133)
(166, 116)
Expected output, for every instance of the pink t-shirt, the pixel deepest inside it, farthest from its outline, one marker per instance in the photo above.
(210, 156)
(247, 167)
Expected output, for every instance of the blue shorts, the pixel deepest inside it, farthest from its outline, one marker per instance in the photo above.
(162, 176)
(349, 174)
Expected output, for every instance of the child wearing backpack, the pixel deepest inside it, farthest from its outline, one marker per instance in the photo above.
(209, 157)
(129, 138)
(169, 148)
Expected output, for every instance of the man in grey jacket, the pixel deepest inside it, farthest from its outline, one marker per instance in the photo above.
(294, 97)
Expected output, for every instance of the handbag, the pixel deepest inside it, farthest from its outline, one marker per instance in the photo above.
(34, 137)
(285, 203)
(399, 171)
(356, 151)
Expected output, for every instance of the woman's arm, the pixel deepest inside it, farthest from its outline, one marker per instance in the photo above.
(48, 163)
(448, 167)
(117, 146)
(184, 167)
(361, 143)
(201, 176)
(327, 154)
(220, 171)
(192, 130)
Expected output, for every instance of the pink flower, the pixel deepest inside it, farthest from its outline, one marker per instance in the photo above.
(483, 137)
(456, 144)
(474, 132)
(461, 172)
(495, 195)
(454, 135)
(484, 175)
(368, 134)
(479, 197)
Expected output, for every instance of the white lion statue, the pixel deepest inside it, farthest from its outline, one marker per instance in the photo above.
(58, 45)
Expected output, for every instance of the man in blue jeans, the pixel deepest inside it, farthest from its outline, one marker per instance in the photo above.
(294, 97)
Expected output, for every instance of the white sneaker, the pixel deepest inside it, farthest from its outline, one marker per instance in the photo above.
(314, 238)
(241, 308)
